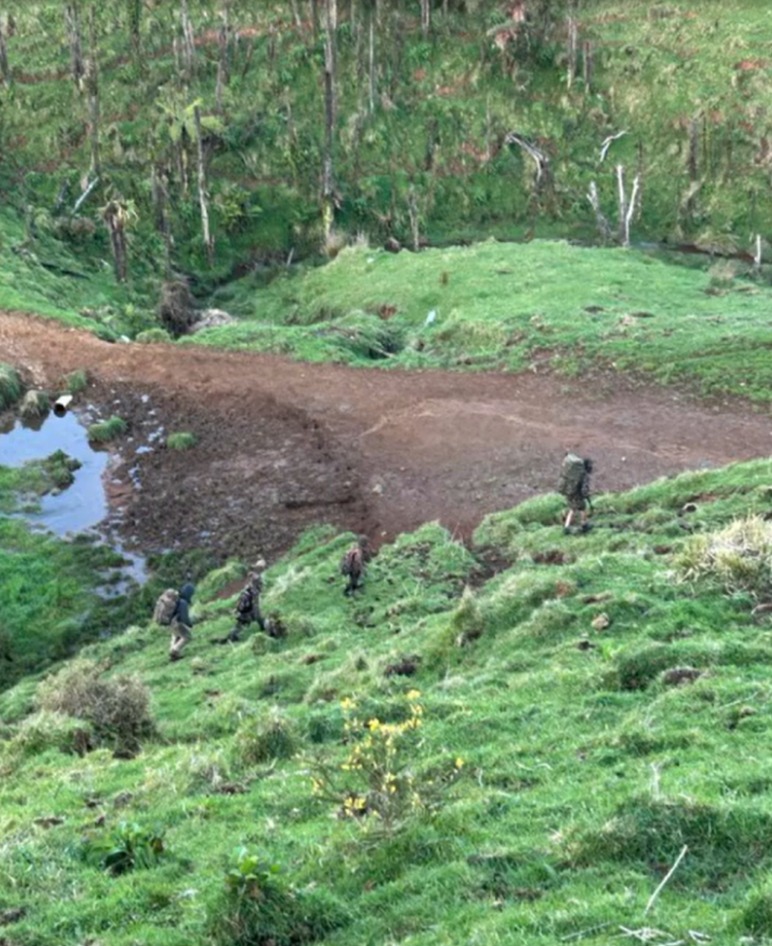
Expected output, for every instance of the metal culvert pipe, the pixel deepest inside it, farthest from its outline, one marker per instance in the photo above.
(61, 404)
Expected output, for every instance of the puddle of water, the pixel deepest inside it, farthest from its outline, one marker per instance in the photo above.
(82, 506)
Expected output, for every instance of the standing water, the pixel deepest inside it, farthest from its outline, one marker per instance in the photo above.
(82, 506)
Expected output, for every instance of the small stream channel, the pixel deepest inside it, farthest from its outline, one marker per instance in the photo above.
(82, 506)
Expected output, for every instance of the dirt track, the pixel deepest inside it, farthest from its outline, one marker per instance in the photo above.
(282, 445)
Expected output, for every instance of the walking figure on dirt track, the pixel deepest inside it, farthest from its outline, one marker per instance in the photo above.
(574, 484)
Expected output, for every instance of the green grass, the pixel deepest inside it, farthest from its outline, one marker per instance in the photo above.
(181, 440)
(104, 431)
(511, 307)
(583, 771)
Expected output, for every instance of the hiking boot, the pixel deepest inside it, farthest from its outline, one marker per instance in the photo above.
(586, 526)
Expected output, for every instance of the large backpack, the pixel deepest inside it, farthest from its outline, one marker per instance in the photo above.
(352, 562)
(246, 602)
(572, 473)
(166, 607)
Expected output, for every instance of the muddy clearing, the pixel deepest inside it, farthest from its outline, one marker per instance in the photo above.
(283, 445)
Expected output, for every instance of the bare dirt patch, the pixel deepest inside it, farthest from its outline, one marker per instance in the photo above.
(283, 445)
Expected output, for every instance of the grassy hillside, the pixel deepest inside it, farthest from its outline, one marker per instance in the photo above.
(460, 753)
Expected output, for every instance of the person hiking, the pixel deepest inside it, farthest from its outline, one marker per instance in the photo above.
(575, 475)
(182, 622)
(353, 563)
(247, 606)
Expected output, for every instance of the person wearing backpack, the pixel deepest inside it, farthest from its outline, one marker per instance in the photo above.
(247, 606)
(575, 475)
(353, 564)
(182, 622)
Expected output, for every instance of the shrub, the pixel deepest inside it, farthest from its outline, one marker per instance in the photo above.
(176, 308)
(266, 737)
(737, 558)
(76, 381)
(128, 847)
(153, 335)
(10, 386)
(377, 784)
(117, 707)
(34, 405)
(60, 469)
(105, 430)
(181, 440)
(258, 907)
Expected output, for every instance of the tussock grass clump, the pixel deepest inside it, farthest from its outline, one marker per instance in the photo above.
(181, 440)
(10, 386)
(104, 431)
(51, 730)
(737, 558)
(259, 906)
(117, 707)
(152, 336)
(76, 381)
(34, 405)
(724, 843)
(266, 737)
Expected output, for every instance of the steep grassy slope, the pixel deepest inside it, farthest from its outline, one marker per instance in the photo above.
(541, 742)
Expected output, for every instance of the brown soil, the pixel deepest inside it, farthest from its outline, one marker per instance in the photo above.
(283, 445)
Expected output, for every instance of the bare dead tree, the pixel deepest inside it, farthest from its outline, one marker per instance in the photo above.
(116, 216)
(543, 172)
(202, 196)
(426, 18)
(601, 220)
(627, 204)
(607, 142)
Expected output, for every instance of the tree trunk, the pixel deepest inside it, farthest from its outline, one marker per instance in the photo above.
(135, 30)
(573, 35)
(223, 62)
(202, 200)
(328, 168)
(91, 82)
(426, 18)
(188, 39)
(114, 216)
(371, 65)
(4, 70)
(72, 20)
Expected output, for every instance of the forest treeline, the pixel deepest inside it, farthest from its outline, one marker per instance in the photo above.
(203, 137)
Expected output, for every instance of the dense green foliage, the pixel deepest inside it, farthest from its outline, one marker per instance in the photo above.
(104, 105)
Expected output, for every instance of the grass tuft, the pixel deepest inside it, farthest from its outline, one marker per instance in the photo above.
(106, 430)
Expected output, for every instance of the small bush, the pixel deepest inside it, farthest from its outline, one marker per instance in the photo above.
(176, 308)
(737, 558)
(152, 336)
(266, 737)
(181, 440)
(128, 847)
(106, 430)
(117, 707)
(258, 907)
(34, 405)
(50, 730)
(76, 381)
(10, 386)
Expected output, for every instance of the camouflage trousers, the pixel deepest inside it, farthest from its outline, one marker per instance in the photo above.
(181, 635)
